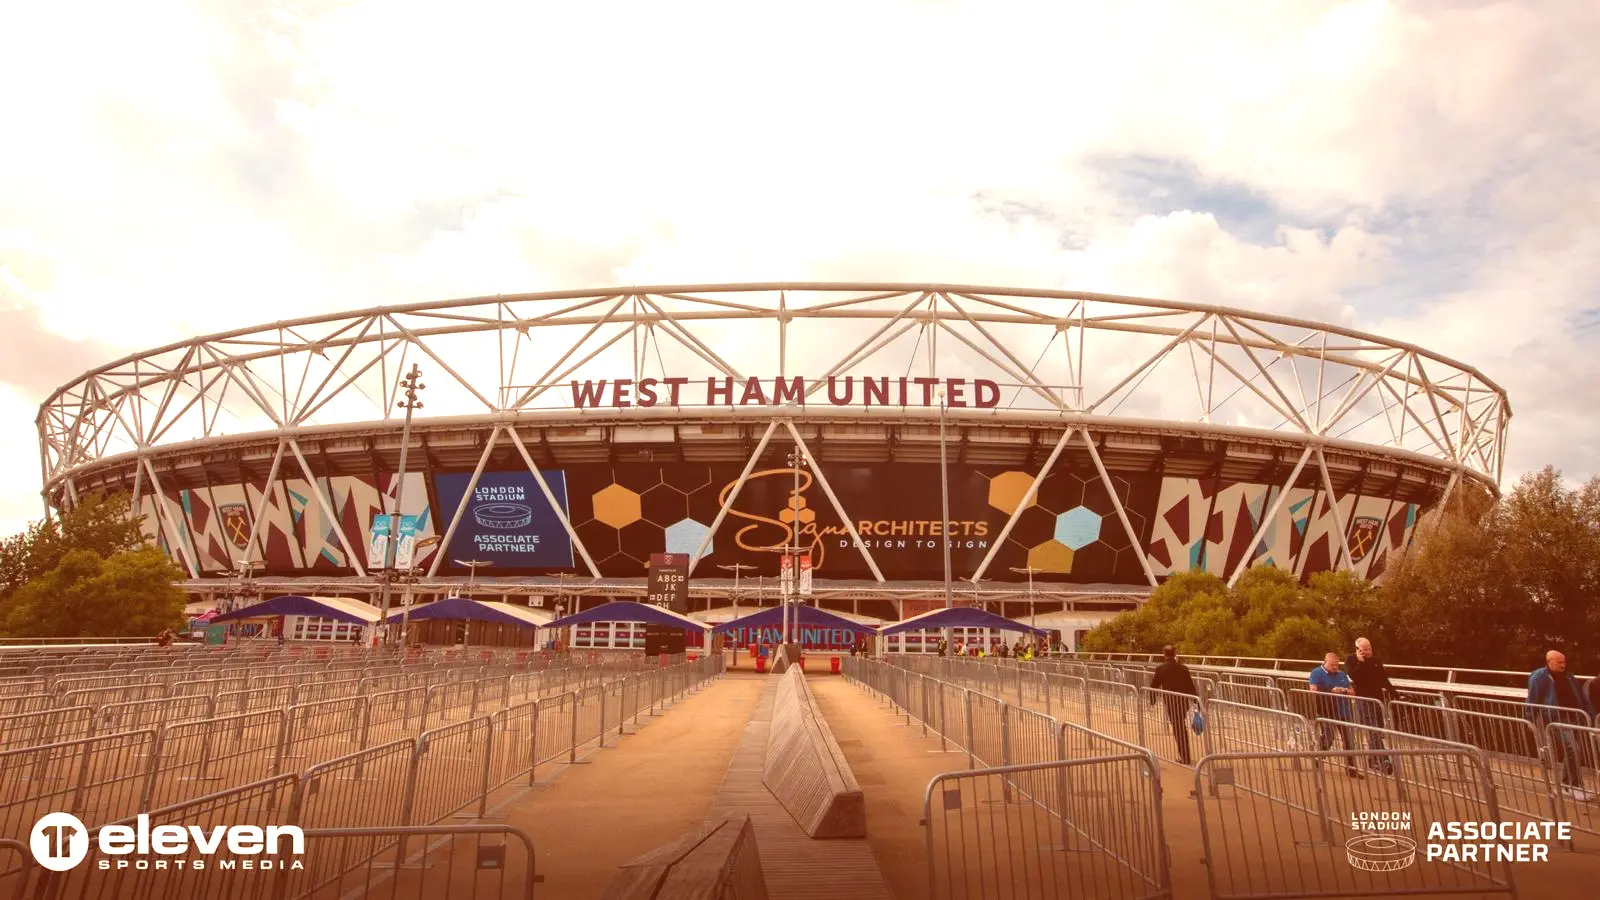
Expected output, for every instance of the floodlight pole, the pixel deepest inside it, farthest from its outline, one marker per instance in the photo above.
(1032, 601)
(944, 505)
(796, 459)
(411, 578)
(735, 568)
(473, 565)
(412, 383)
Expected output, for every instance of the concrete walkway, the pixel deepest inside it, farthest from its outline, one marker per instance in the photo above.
(796, 866)
(650, 789)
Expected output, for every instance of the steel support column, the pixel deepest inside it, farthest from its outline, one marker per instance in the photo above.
(261, 504)
(164, 517)
(1333, 504)
(1116, 503)
(1027, 498)
(1270, 517)
(550, 497)
(466, 499)
(733, 495)
(838, 508)
(326, 506)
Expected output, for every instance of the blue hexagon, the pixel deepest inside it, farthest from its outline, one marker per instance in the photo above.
(1078, 527)
(685, 535)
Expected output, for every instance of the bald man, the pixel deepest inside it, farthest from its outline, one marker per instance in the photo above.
(1554, 696)
(1373, 689)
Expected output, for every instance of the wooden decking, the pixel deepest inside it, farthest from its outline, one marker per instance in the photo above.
(797, 867)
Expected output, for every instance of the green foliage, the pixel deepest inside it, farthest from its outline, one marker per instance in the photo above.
(128, 594)
(1266, 613)
(1485, 584)
(87, 573)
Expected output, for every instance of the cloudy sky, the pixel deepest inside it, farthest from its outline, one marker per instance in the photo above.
(1426, 170)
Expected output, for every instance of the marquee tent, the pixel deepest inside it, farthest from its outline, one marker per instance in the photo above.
(628, 611)
(339, 609)
(805, 617)
(475, 611)
(958, 617)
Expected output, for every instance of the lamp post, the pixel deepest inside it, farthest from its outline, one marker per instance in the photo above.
(411, 578)
(1030, 571)
(247, 589)
(797, 458)
(411, 383)
(944, 506)
(736, 568)
(473, 565)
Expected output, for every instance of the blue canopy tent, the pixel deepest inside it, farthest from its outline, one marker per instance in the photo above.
(958, 617)
(473, 611)
(339, 609)
(628, 611)
(807, 618)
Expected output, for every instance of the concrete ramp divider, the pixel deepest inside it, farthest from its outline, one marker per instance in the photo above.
(806, 771)
(718, 862)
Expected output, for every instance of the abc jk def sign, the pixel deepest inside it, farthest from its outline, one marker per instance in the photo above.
(667, 586)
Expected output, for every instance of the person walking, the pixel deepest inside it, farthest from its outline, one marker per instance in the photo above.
(1373, 690)
(1552, 691)
(1334, 709)
(1173, 677)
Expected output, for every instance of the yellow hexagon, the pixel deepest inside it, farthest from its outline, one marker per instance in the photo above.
(1007, 489)
(807, 516)
(786, 515)
(616, 506)
(797, 502)
(1050, 557)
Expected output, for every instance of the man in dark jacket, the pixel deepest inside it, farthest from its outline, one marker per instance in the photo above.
(1173, 676)
(1373, 689)
(1555, 696)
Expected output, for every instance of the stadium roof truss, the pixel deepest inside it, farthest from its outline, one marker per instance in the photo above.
(1100, 368)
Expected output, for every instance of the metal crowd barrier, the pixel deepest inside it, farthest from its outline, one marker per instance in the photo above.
(110, 777)
(1336, 836)
(1075, 828)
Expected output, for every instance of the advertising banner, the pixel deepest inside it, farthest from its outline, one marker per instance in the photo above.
(507, 521)
(378, 544)
(805, 574)
(668, 584)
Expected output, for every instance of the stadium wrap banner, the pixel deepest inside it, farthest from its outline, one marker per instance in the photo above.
(508, 521)
(624, 513)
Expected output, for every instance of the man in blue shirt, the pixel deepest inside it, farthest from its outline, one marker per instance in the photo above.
(1335, 707)
(1554, 696)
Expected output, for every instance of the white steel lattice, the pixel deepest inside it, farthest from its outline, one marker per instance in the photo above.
(1058, 356)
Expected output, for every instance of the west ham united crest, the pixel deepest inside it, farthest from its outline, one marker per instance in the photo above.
(1364, 537)
(235, 523)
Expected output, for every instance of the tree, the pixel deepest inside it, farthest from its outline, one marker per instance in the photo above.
(98, 523)
(87, 573)
(1266, 613)
(128, 594)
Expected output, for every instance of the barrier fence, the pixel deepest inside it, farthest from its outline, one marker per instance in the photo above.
(1046, 809)
(379, 807)
(111, 777)
(1335, 836)
(1543, 762)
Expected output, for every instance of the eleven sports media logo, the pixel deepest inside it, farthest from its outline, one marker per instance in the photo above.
(60, 843)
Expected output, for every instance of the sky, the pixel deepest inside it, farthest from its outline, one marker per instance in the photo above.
(1429, 171)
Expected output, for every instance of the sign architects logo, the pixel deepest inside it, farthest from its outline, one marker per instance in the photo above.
(60, 842)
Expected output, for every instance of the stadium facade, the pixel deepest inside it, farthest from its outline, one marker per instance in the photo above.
(1095, 444)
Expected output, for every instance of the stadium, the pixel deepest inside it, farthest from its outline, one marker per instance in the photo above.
(1087, 447)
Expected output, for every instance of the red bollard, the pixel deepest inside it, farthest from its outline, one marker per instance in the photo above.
(836, 665)
(761, 664)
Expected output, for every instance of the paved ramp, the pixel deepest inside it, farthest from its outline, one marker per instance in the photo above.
(797, 867)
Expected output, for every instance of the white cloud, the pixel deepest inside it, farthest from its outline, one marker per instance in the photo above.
(1424, 170)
